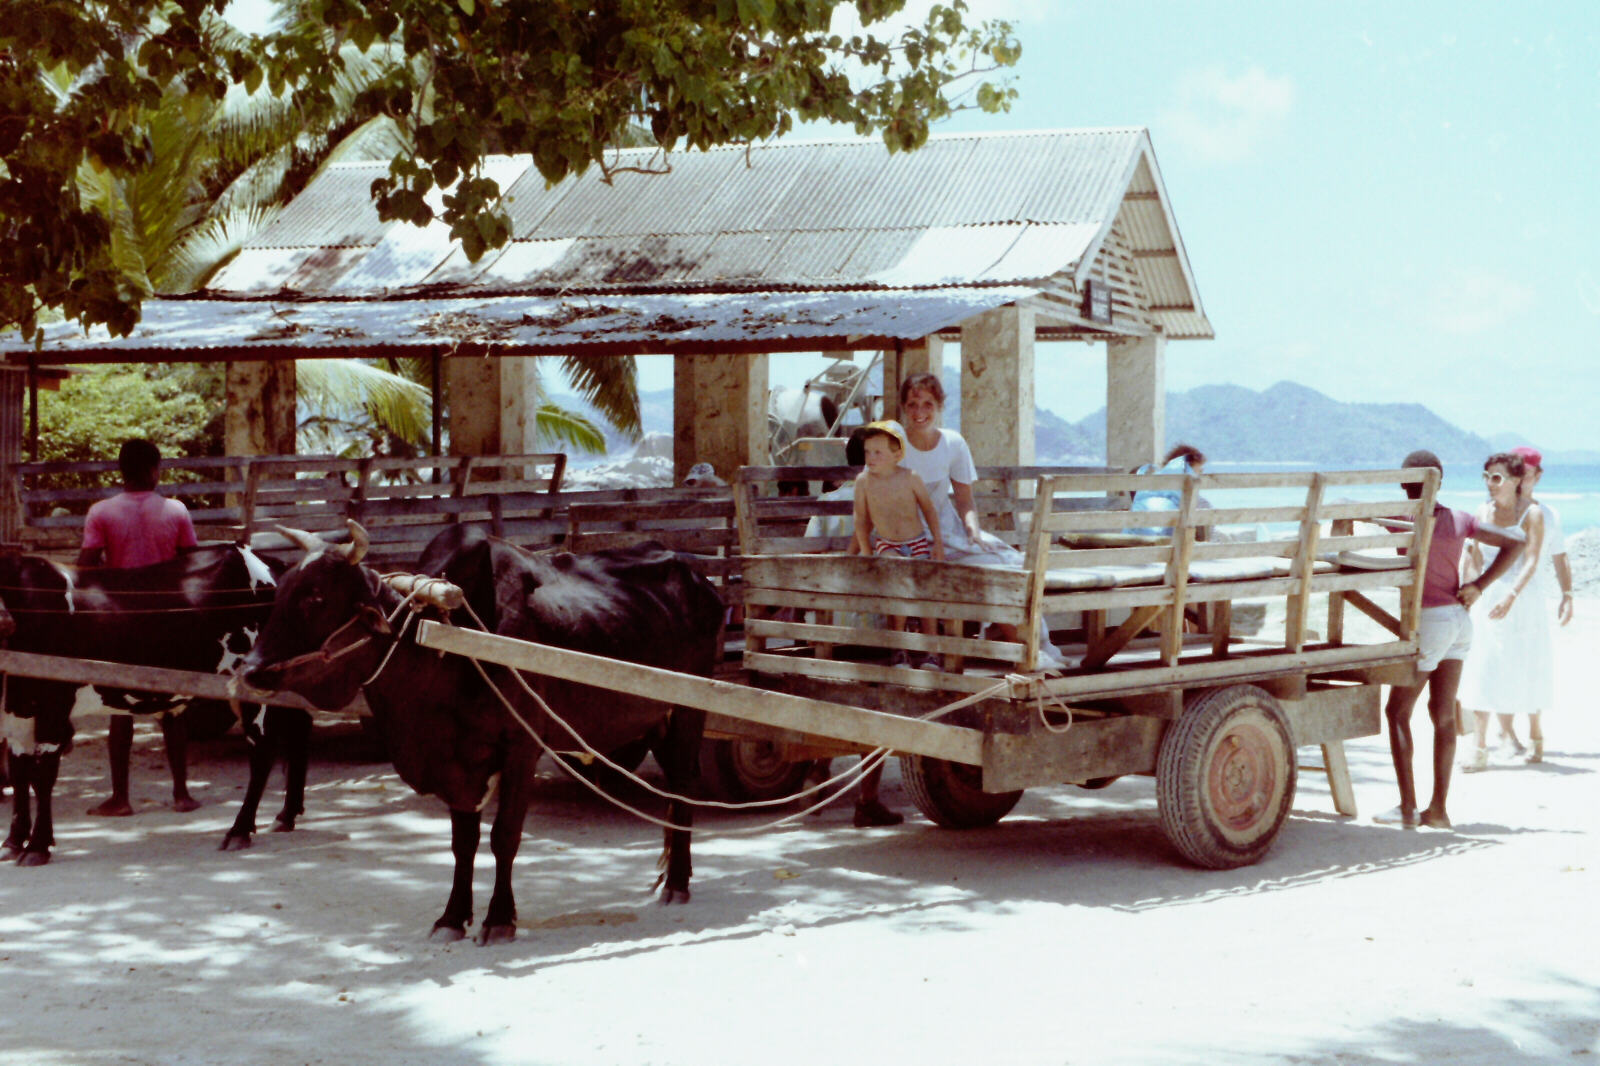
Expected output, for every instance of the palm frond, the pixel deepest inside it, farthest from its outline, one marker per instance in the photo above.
(610, 383)
(206, 248)
(558, 425)
(341, 387)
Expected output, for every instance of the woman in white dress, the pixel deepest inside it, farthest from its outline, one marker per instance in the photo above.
(941, 458)
(1510, 669)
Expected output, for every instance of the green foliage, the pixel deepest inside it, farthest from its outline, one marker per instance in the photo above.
(178, 406)
(457, 79)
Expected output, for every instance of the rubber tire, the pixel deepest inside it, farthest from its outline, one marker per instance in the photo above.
(1225, 777)
(741, 771)
(951, 794)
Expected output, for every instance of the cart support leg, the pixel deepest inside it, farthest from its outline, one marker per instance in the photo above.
(1344, 796)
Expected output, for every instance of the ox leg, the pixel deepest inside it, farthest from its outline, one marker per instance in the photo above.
(175, 738)
(293, 727)
(679, 755)
(464, 832)
(42, 779)
(21, 807)
(505, 838)
(259, 733)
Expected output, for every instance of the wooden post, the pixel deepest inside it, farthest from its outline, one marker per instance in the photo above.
(259, 418)
(1303, 567)
(919, 357)
(997, 386)
(1136, 401)
(719, 413)
(13, 381)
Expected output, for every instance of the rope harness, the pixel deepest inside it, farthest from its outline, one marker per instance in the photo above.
(424, 592)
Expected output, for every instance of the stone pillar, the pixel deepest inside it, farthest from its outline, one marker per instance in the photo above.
(1136, 401)
(493, 404)
(997, 386)
(918, 357)
(719, 412)
(259, 416)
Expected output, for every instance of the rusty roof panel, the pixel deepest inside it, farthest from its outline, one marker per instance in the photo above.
(525, 325)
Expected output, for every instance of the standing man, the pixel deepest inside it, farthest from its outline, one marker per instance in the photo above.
(1444, 633)
(140, 527)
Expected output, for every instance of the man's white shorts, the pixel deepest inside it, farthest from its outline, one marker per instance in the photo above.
(1443, 633)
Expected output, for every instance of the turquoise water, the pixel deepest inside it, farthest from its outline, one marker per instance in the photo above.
(1572, 490)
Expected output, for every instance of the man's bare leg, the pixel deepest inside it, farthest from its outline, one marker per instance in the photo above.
(175, 737)
(1402, 698)
(1442, 709)
(119, 746)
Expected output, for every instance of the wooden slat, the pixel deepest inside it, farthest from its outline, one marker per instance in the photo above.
(888, 576)
(1006, 651)
(970, 612)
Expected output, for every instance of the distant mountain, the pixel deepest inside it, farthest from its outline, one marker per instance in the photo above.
(1293, 423)
(1285, 423)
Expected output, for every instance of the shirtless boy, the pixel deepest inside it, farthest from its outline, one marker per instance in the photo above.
(894, 512)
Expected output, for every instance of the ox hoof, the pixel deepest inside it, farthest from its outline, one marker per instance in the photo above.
(185, 805)
(111, 808)
(496, 934)
(670, 896)
(235, 842)
(283, 825)
(34, 858)
(9, 852)
(447, 934)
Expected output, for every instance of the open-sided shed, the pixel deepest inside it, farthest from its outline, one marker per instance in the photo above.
(721, 258)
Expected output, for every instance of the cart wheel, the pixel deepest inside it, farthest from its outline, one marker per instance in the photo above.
(1225, 777)
(741, 771)
(951, 794)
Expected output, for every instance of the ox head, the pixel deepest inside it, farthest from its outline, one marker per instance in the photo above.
(320, 639)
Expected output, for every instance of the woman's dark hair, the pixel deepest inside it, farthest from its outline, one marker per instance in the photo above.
(1510, 460)
(1192, 456)
(928, 383)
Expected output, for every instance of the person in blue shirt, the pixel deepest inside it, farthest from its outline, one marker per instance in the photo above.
(1181, 459)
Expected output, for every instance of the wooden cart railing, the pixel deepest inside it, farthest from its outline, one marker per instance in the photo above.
(1110, 586)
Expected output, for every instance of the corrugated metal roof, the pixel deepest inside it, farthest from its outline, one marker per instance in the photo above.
(783, 215)
(536, 325)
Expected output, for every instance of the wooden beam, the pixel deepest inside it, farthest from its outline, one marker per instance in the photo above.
(834, 720)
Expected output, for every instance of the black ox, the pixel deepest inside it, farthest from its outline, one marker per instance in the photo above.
(197, 612)
(449, 734)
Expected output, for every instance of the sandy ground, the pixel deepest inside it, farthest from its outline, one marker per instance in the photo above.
(1069, 933)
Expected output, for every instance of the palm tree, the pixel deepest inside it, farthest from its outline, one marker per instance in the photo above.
(221, 172)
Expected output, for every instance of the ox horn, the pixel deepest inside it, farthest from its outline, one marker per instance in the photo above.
(309, 543)
(356, 550)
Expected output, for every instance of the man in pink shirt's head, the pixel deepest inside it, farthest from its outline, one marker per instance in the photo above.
(140, 527)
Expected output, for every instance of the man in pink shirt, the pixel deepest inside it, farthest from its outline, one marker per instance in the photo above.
(1444, 633)
(139, 527)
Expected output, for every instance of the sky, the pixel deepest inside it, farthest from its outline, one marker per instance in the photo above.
(1385, 202)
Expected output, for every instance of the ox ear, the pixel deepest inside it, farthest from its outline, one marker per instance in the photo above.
(356, 550)
(530, 586)
(373, 620)
(309, 543)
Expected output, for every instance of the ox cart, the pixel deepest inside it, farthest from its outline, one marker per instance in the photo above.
(1155, 678)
